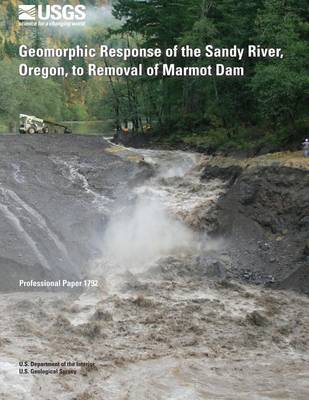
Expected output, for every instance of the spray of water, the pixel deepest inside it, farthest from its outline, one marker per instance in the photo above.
(152, 226)
(138, 236)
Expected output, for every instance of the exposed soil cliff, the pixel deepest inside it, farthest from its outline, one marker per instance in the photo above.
(265, 217)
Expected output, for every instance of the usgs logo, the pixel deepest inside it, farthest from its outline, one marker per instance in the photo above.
(51, 12)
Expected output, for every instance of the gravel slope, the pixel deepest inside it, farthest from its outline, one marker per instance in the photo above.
(47, 187)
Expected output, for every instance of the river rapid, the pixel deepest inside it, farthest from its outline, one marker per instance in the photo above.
(166, 321)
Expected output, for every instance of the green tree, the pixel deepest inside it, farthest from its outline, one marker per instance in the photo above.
(11, 87)
(281, 86)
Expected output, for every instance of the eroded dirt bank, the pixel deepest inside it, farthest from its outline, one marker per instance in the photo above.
(173, 316)
(55, 193)
(265, 216)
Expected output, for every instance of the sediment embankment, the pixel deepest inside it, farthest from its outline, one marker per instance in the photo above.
(265, 216)
(55, 194)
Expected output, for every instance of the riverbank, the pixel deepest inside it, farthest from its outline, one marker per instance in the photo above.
(55, 194)
(264, 214)
(214, 142)
(289, 159)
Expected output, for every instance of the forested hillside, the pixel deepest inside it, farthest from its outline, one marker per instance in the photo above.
(269, 106)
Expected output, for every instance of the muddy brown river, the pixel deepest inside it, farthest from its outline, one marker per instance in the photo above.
(161, 317)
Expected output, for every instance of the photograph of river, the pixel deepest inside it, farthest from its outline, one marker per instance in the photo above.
(173, 315)
(154, 200)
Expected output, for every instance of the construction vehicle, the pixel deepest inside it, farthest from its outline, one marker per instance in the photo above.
(31, 125)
